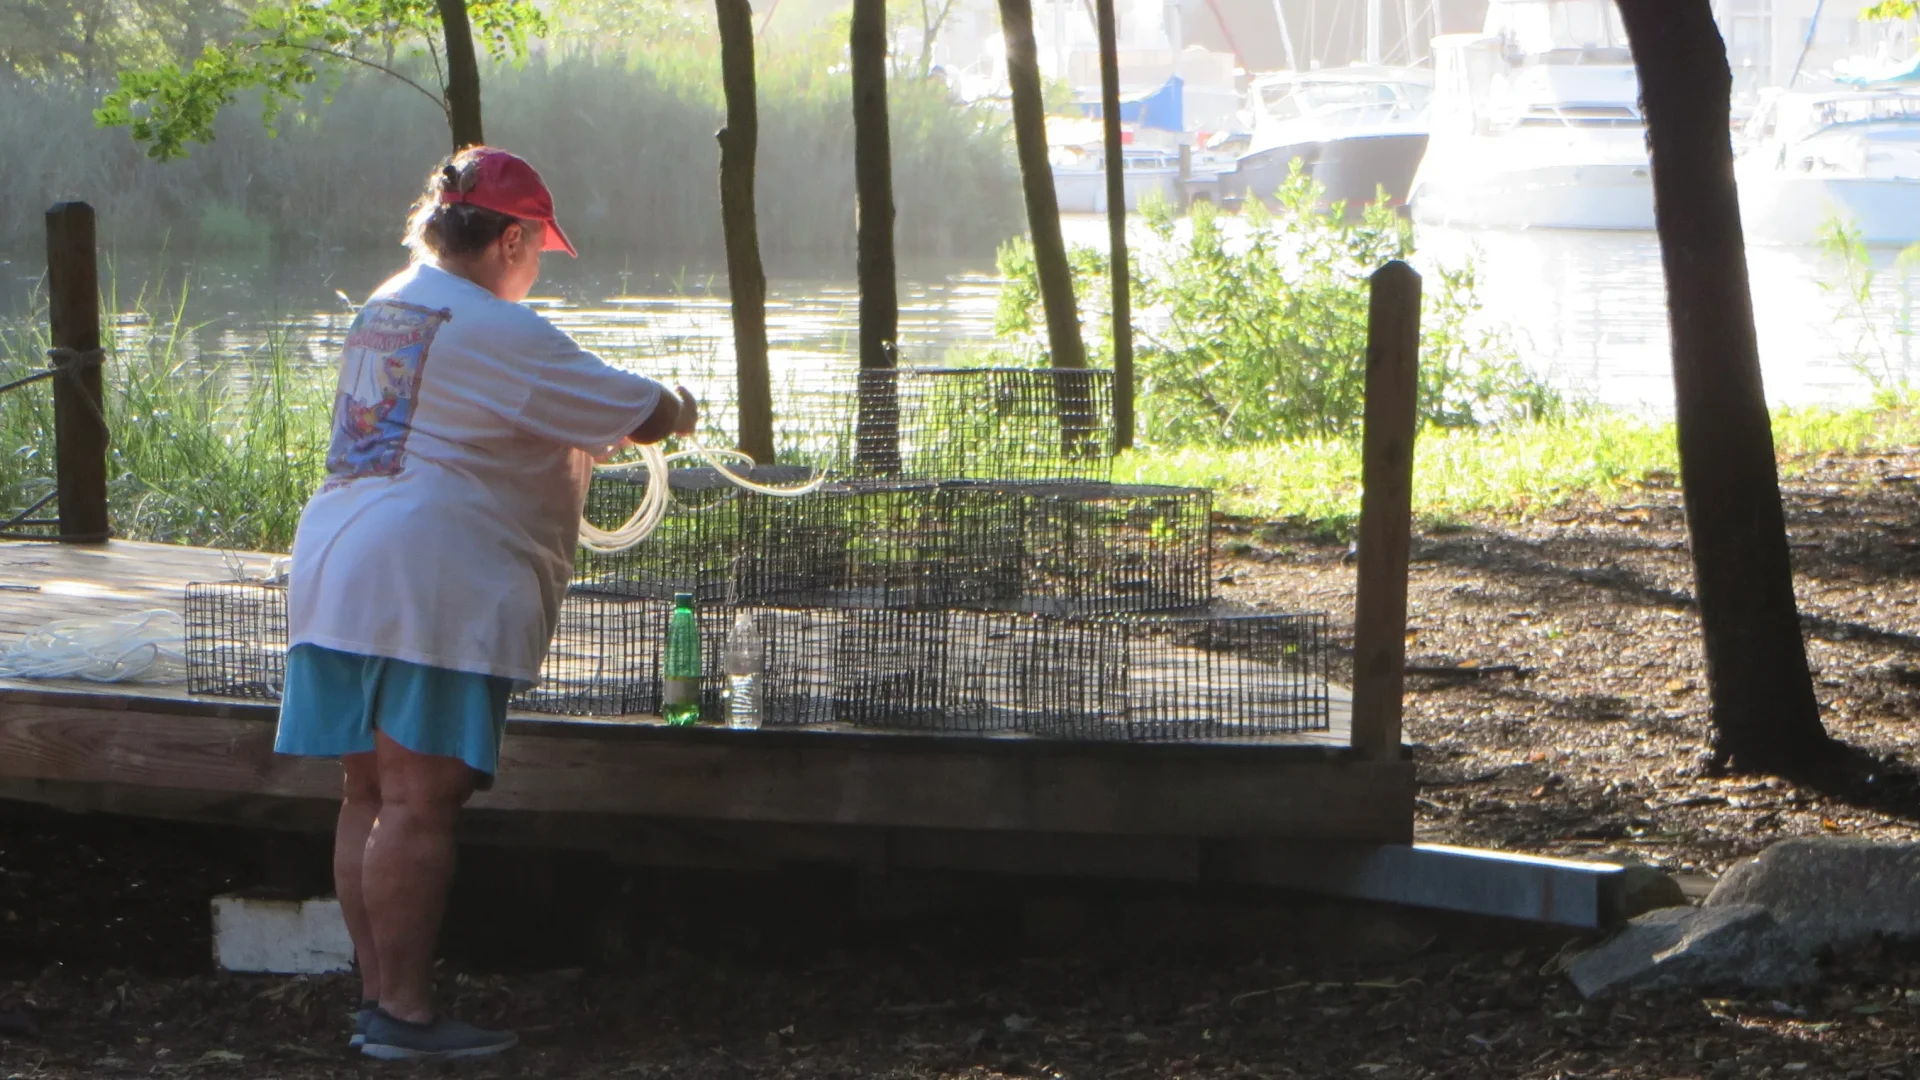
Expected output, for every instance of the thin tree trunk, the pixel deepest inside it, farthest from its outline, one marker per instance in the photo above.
(877, 439)
(927, 31)
(1064, 345)
(746, 279)
(1116, 227)
(1765, 716)
(463, 75)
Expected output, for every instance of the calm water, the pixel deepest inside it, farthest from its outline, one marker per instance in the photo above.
(1585, 309)
(1589, 310)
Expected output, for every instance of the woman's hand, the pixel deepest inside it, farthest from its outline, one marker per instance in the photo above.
(689, 419)
(677, 415)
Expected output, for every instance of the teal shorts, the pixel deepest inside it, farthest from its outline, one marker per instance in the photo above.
(334, 702)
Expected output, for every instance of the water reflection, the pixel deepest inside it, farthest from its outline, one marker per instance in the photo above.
(1585, 309)
(1589, 311)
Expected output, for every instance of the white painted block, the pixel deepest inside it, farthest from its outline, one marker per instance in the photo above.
(285, 937)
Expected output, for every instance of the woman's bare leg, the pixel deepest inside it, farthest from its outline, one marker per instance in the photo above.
(408, 868)
(359, 807)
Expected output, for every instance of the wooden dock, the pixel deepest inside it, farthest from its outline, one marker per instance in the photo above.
(686, 796)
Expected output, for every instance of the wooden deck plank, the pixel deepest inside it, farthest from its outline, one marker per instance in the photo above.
(785, 777)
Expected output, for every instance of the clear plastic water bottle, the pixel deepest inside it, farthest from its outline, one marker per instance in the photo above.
(745, 661)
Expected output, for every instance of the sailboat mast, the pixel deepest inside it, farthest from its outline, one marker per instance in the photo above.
(1373, 31)
(1286, 37)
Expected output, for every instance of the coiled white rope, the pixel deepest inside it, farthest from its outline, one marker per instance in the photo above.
(148, 646)
(658, 497)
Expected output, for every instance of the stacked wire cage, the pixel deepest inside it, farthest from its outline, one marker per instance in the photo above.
(969, 567)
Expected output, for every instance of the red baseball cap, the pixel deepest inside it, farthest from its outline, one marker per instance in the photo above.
(506, 184)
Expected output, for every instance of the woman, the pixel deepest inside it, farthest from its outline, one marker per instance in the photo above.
(428, 570)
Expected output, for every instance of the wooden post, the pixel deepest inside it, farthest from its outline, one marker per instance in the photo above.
(1386, 510)
(1116, 228)
(877, 439)
(79, 407)
(746, 278)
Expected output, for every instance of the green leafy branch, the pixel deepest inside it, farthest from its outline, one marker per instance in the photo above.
(1890, 10)
(288, 46)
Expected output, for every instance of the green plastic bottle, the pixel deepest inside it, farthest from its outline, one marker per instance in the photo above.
(680, 693)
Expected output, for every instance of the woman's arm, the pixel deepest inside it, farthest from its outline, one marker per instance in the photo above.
(675, 414)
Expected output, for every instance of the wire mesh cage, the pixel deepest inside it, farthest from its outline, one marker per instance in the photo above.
(607, 654)
(693, 549)
(889, 670)
(604, 659)
(1207, 676)
(1139, 677)
(1054, 547)
(938, 423)
(1125, 678)
(236, 639)
(1104, 548)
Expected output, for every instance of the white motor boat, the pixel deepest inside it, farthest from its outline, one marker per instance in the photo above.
(1080, 177)
(1357, 131)
(1847, 156)
(1535, 123)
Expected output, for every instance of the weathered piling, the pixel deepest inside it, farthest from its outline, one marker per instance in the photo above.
(1386, 510)
(79, 412)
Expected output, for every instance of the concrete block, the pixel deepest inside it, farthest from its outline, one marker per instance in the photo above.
(284, 937)
(1532, 888)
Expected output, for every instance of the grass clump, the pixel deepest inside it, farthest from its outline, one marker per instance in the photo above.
(219, 458)
(1514, 470)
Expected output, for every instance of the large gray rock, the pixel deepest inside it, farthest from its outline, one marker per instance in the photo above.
(1829, 892)
(1731, 945)
(1646, 888)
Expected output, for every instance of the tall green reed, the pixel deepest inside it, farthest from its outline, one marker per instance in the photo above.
(626, 143)
(216, 456)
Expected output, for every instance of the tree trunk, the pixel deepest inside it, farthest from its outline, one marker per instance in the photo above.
(1043, 219)
(1765, 717)
(746, 280)
(877, 439)
(463, 75)
(1116, 228)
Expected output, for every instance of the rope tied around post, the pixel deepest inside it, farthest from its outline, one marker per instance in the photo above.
(71, 362)
(60, 361)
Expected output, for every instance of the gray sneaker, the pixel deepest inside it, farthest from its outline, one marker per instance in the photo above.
(360, 1017)
(389, 1038)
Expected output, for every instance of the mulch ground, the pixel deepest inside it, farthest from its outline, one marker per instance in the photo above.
(1572, 722)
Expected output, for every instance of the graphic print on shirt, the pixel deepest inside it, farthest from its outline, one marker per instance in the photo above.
(373, 406)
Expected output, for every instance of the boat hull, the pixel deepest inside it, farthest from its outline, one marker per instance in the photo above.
(1353, 170)
(1778, 208)
(1604, 196)
(1084, 191)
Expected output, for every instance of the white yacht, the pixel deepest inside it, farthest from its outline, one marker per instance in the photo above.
(1536, 123)
(1080, 176)
(1358, 131)
(1851, 156)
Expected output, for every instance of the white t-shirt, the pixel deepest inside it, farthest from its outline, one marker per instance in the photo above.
(464, 433)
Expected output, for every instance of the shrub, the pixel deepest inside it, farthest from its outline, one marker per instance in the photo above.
(1253, 329)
